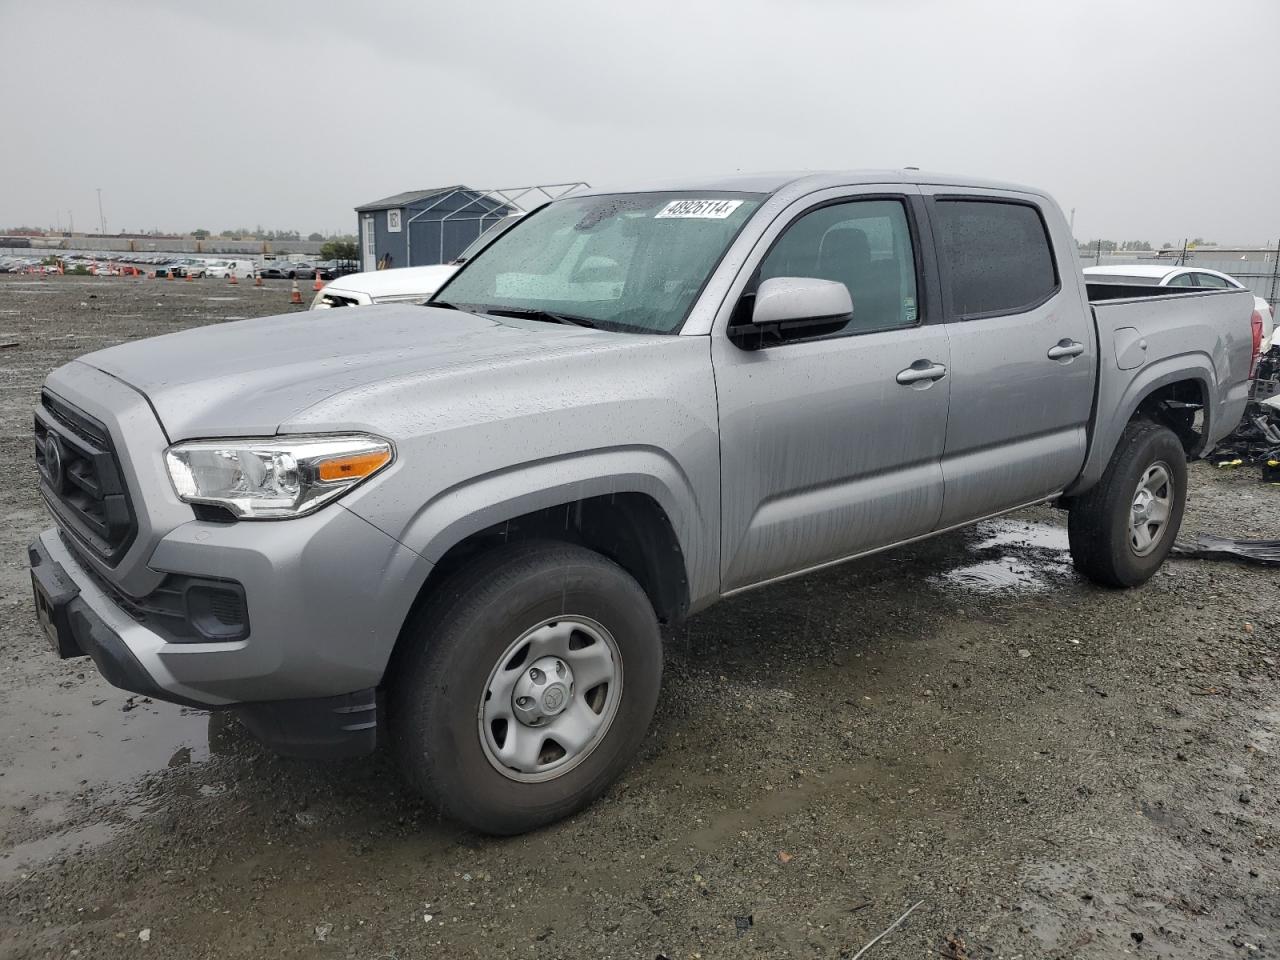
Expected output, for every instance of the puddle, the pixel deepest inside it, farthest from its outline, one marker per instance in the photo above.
(71, 755)
(1011, 555)
(69, 740)
(25, 858)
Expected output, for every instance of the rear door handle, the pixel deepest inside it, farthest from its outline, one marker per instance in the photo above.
(1065, 349)
(921, 371)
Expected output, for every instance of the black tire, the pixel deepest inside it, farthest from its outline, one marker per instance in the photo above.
(457, 638)
(1098, 525)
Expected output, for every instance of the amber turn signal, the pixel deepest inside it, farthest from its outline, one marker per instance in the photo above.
(354, 466)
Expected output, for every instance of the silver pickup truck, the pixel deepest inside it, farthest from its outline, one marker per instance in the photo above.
(464, 523)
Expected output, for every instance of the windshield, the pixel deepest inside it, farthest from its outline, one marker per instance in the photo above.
(487, 236)
(631, 261)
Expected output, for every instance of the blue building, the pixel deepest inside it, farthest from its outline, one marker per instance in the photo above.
(422, 227)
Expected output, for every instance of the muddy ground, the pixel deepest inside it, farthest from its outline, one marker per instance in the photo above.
(1054, 769)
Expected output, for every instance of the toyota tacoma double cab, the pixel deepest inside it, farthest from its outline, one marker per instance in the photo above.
(462, 525)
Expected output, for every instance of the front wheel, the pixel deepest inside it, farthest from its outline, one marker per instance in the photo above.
(527, 686)
(1122, 529)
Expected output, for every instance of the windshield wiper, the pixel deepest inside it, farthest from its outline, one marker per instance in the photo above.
(543, 315)
(460, 307)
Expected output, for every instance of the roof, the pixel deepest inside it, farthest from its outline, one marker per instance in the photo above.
(410, 197)
(805, 180)
(1137, 269)
(1152, 270)
(1155, 271)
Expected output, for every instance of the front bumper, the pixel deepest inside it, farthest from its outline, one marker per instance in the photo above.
(326, 595)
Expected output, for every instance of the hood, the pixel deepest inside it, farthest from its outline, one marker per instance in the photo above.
(246, 378)
(399, 282)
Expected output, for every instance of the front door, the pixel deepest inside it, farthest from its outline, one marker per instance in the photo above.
(831, 442)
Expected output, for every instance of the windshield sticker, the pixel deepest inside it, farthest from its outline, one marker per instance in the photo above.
(698, 209)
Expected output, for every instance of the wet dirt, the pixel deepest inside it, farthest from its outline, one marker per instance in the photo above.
(1057, 770)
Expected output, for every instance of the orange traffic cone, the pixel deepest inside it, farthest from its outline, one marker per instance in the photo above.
(189, 278)
(257, 279)
(231, 277)
(319, 284)
(295, 295)
(169, 274)
(151, 274)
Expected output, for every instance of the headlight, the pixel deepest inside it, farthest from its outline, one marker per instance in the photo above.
(318, 302)
(277, 477)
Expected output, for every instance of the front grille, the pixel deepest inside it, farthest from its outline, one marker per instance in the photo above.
(80, 478)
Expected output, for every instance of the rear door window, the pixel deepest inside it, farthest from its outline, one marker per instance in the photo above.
(1209, 280)
(996, 256)
(1181, 280)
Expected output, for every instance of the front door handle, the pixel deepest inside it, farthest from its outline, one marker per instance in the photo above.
(921, 371)
(1065, 349)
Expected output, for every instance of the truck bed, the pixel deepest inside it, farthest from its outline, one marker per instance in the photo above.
(1100, 289)
(1151, 336)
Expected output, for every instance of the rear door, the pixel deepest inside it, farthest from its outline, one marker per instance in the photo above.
(1022, 351)
(831, 438)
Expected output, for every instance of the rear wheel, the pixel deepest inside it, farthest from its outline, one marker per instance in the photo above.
(529, 684)
(1123, 528)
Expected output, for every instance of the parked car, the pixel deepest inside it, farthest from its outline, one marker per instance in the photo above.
(398, 285)
(332, 269)
(1165, 275)
(286, 269)
(631, 405)
(403, 284)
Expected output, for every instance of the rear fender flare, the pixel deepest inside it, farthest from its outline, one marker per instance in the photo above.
(1112, 415)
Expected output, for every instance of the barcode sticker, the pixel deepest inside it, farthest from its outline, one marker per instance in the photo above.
(698, 209)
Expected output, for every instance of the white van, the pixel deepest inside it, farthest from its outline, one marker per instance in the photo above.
(243, 269)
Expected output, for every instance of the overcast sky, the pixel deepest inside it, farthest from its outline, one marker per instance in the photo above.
(1154, 120)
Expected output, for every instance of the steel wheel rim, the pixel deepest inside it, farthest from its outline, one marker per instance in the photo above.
(537, 729)
(1151, 509)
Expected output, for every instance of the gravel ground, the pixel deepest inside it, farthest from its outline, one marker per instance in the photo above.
(1052, 769)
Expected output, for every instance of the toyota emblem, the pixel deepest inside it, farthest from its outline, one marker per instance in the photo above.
(53, 461)
(554, 698)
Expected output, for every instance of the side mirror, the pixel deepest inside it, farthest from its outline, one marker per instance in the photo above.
(784, 299)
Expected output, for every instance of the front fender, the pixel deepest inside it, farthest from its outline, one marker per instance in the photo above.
(457, 512)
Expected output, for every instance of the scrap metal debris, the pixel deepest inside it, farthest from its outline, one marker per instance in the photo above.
(1208, 547)
(1257, 438)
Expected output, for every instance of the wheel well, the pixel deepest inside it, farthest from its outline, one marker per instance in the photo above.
(631, 529)
(1179, 406)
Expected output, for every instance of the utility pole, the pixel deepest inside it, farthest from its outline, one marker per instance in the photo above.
(102, 221)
